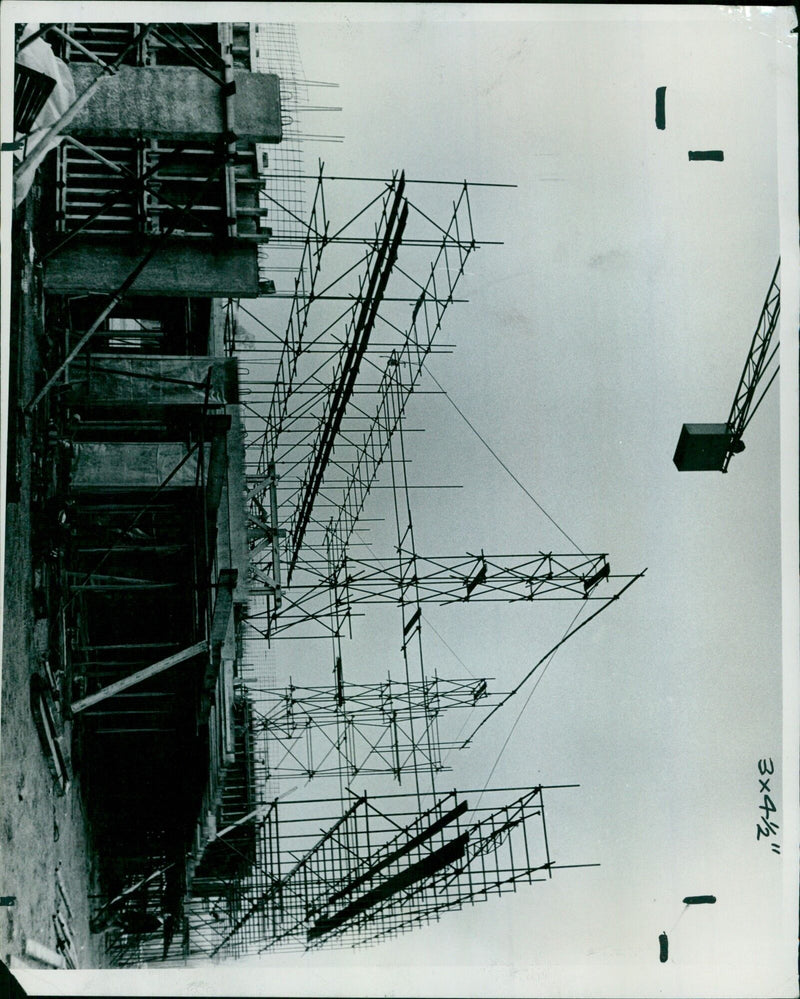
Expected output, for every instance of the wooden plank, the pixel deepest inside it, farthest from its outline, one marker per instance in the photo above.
(414, 618)
(139, 676)
(222, 605)
(63, 892)
(217, 468)
(45, 955)
(425, 868)
(66, 944)
(45, 726)
(407, 847)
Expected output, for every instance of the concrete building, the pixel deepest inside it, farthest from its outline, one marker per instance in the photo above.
(173, 141)
(152, 205)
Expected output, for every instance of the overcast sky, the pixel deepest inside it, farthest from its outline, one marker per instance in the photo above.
(621, 305)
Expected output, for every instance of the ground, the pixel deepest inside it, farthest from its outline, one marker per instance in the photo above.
(43, 831)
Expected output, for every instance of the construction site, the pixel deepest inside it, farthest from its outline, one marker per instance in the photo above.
(217, 346)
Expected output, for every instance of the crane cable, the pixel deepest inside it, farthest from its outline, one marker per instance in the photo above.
(503, 465)
(516, 721)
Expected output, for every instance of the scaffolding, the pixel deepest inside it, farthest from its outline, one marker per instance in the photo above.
(348, 729)
(366, 273)
(326, 397)
(383, 865)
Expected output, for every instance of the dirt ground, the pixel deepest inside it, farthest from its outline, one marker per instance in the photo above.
(42, 831)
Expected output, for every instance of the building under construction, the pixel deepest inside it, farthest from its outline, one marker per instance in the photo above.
(224, 359)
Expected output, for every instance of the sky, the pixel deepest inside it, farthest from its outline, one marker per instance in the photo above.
(620, 305)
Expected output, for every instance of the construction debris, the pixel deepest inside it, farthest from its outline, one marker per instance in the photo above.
(48, 725)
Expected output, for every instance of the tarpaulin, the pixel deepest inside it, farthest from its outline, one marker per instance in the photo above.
(38, 55)
(132, 465)
(111, 380)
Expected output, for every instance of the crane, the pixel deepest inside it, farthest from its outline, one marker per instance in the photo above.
(708, 447)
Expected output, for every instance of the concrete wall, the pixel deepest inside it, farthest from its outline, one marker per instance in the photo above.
(179, 267)
(175, 102)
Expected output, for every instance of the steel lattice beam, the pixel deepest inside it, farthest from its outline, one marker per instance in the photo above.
(447, 579)
(758, 361)
(457, 579)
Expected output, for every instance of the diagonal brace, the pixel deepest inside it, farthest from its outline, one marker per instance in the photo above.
(138, 677)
